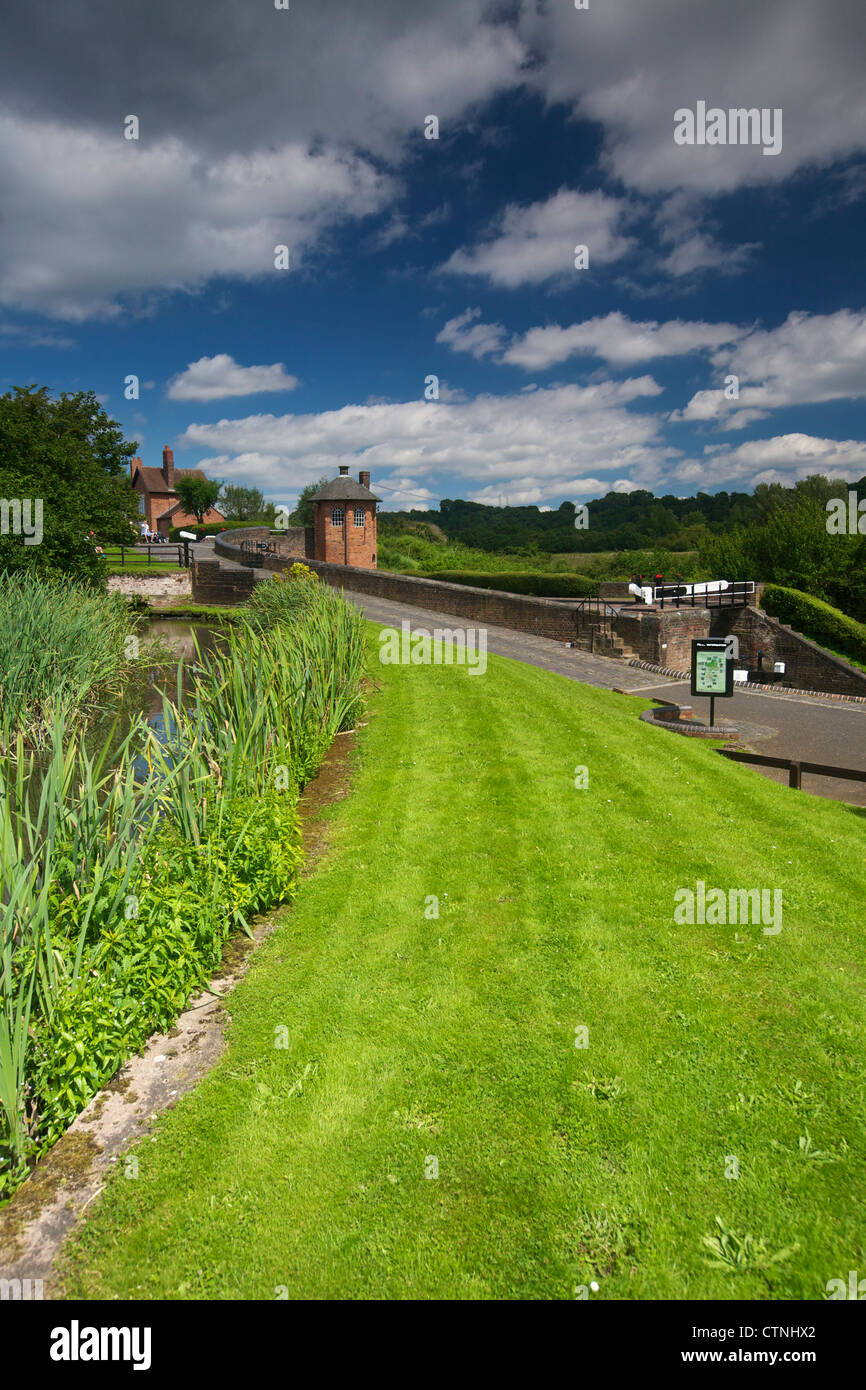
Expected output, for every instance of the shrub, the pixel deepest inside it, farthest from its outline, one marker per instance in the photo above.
(554, 585)
(817, 620)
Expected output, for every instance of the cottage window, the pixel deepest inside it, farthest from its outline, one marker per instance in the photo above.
(336, 516)
(359, 516)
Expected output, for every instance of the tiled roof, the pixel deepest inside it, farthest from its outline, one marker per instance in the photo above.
(154, 478)
(345, 489)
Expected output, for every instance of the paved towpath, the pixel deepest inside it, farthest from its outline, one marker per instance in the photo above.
(782, 726)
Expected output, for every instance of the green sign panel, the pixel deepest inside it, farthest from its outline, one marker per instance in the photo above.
(712, 671)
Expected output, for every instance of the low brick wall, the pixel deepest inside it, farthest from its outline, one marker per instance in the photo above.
(542, 616)
(807, 666)
(662, 635)
(212, 584)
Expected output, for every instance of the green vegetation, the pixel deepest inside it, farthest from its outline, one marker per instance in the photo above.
(63, 655)
(411, 1037)
(817, 620)
(620, 520)
(423, 550)
(419, 551)
(551, 585)
(68, 453)
(124, 871)
(794, 549)
(246, 506)
(305, 512)
(197, 495)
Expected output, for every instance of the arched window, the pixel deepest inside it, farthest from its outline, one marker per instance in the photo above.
(336, 516)
(359, 516)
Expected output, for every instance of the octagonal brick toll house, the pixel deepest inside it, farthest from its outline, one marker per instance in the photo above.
(345, 526)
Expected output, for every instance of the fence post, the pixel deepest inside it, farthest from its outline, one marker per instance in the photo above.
(795, 776)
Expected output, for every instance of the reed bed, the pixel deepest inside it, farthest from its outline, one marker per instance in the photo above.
(123, 870)
(63, 655)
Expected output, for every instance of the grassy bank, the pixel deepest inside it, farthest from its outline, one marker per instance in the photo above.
(375, 1043)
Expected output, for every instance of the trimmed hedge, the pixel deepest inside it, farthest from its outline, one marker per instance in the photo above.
(816, 620)
(213, 528)
(552, 585)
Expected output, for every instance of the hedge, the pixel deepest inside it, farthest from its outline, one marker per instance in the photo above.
(521, 582)
(213, 528)
(816, 620)
(540, 584)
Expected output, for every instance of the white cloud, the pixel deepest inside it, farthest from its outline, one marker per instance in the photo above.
(784, 458)
(531, 244)
(810, 358)
(542, 440)
(212, 378)
(617, 339)
(463, 334)
(630, 66)
(90, 220)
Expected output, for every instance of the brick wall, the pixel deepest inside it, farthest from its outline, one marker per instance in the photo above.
(543, 616)
(663, 636)
(211, 584)
(347, 544)
(807, 666)
(299, 542)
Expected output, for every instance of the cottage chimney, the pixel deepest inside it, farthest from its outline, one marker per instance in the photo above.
(133, 464)
(364, 478)
(168, 468)
(344, 470)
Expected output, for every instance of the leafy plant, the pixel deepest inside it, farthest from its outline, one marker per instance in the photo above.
(742, 1253)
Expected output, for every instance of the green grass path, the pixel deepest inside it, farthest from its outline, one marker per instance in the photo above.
(412, 1038)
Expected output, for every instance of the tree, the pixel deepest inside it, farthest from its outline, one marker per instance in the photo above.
(197, 495)
(67, 462)
(241, 503)
(305, 513)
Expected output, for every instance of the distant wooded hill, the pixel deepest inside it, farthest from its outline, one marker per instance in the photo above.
(619, 521)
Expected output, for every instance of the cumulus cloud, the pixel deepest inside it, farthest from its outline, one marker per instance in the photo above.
(212, 378)
(617, 339)
(631, 66)
(233, 77)
(543, 440)
(809, 358)
(528, 245)
(105, 218)
(464, 334)
(782, 459)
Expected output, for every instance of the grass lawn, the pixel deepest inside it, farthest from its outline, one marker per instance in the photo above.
(136, 561)
(413, 1038)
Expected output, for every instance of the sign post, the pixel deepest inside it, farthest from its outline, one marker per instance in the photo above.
(712, 670)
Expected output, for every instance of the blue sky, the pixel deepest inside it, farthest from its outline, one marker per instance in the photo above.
(451, 257)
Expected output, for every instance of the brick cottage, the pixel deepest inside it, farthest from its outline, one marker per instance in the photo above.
(160, 505)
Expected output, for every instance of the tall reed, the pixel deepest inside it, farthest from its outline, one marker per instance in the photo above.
(62, 654)
(205, 811)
